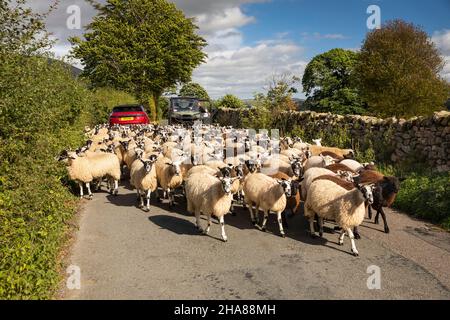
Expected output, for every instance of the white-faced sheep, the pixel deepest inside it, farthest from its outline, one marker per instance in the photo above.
(143, 178)
(85, 169)
(330, 201)
(267, 194)
(209, 195)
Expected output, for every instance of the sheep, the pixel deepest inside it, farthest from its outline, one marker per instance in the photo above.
(386, 189)
(143, 178)
(309, 176)
(330, 201)
(293, 202)
(200, 168)
(352, 164)
(211, 196)
(216, 164)
(318, 162)
(169, 176)
(346, 153)
(318, 142)
(333, 155)
(335, 167)
(267, 194)
(85, 169)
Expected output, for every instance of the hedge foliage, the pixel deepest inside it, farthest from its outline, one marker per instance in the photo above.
(43, 110)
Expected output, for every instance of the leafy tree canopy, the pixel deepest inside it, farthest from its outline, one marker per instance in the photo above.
(328, 83)
(398, 71)
(22, 31)
(230, 101)
(193, 89)
(141, 46)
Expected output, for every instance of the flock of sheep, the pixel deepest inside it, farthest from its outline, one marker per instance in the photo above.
(217, 167)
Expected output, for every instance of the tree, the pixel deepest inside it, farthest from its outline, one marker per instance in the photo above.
(280, 89)
(22, 31)
(140, 46)
(230, 101)
(328, 83)
(398, 71)
(195, 90)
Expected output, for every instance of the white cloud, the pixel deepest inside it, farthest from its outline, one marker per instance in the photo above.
(246, 70)
(231, 67)
(229, 18)
(442, 41)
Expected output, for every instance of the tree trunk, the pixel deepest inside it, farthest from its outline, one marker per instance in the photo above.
(153, 106)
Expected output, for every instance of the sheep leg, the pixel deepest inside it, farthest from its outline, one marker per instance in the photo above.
(320, 221)
(252, 215)
(208, 228)
(383, 215)
(138, 195)
(222, 227)
(81, 190)
(341, 237)
(88, 186)
(369, 209)
(352, 239)
(280, 223)
(311, 227)
(149, 193)
(356, 233)
(266, 216)
(140, 199)
(171, 197)
(197, 220)
(116, 187)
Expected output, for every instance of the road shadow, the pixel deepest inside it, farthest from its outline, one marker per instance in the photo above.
(124, 200)
(175, 224)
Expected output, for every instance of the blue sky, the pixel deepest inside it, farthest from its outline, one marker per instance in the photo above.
(346, 18)
(252, 40)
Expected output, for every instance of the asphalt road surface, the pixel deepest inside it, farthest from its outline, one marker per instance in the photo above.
(126, 253)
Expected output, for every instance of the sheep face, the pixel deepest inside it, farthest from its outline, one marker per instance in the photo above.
(367, 191)
(110, 148)
(308, 153)
(287, 187)
(297, 168)
(327, 160)
(226, 184)
(139, 153)
(226, 171)
(64, 155)
(176, 166)
(347, 176)
(125, 144)
(350, 154)
(239, 169)
(251, 166)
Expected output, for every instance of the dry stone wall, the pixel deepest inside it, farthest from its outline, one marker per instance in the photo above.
(424, 138)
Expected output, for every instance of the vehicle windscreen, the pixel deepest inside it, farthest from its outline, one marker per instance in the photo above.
(184, 105)
(128, 109)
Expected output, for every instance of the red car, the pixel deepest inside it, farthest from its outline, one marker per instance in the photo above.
(128, 114)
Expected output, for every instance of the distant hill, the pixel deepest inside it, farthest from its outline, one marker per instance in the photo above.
(74, 70)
